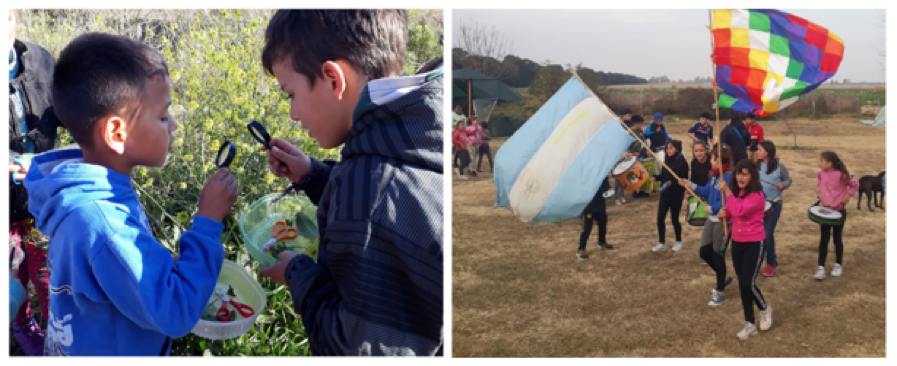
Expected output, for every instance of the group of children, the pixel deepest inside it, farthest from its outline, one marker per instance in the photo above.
(115, 290)
(746, 185)
(471, 141)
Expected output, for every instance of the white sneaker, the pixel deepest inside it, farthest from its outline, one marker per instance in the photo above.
(660, 247)
(836, 272)
(463, 177)
(766, 318)
(458, 170)
(748, 330)
(622, 200)
(618, 202)
(678, 246)
(820, 273)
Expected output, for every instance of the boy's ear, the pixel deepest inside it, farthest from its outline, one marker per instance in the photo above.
(114, 132)
(335, 77)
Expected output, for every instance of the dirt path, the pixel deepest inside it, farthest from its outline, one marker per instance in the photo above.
(518, 289)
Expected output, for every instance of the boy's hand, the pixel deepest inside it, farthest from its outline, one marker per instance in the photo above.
(276, 272)
(723, 187)
(218, 196)
(19, 172)
(684, 183)
(287, 161)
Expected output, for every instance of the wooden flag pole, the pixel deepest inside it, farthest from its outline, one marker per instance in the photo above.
(638, 139)
(716, 108)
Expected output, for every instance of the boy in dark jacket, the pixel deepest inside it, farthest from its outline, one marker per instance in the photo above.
(32, 130)
(595, 211)
(377, 286)
(114, 289)
(737, 137)
(657, 133)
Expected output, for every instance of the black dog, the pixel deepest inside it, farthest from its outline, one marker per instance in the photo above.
(870, 185)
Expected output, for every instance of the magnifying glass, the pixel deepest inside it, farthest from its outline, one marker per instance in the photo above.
(226, 154)
(260, 133)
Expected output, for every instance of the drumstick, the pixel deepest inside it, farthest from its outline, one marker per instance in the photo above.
(637, 139)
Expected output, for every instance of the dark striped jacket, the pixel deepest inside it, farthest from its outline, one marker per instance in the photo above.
(377, 286)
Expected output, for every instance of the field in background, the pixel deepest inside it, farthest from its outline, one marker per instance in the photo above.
(519, 290)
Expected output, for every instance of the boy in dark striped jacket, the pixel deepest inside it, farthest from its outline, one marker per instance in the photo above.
(377, 286)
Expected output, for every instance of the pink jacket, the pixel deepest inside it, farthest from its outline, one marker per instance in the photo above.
(746, 214)
(474, 135)
(831, 191)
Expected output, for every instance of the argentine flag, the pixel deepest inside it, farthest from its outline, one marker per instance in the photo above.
(550, 169)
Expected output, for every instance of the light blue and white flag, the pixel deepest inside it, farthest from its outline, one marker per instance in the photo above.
(550, 169)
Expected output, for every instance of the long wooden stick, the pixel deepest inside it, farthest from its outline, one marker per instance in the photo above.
(716, 104)
(662, 162)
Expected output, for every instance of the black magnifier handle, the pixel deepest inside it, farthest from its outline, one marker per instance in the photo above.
(260, 133)
(231, 152)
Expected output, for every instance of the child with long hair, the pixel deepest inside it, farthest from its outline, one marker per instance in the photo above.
(774, 178)
(744, 208)
(671, 196)
(700, 164)
(712, 240)
(835, 186)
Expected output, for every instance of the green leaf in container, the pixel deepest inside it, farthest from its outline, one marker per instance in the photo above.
(306, 226)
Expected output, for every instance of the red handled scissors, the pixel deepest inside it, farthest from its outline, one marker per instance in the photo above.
(224, 315)
(281, 232)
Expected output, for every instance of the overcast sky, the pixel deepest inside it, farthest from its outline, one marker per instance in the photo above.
(675, 43)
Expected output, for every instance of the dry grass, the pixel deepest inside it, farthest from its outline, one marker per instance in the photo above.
(518, 289)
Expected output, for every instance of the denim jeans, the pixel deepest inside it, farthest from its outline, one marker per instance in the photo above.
(769, 225)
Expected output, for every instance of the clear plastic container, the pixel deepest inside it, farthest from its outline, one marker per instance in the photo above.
(257, 224)
(247, 291)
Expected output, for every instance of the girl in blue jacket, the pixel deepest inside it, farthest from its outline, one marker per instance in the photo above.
(713, 238)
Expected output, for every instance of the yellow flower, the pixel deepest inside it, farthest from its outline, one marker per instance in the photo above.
(143, 171)
(188, 157)
(149, 182)
(183, 217)
(183, 185)
(178, 141)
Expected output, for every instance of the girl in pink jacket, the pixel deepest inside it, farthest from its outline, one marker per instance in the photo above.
(835, 186)
(745, 203)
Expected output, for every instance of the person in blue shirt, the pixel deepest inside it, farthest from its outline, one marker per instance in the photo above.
(713, 239)
(114, 289)
(657, 133)
(702, 130)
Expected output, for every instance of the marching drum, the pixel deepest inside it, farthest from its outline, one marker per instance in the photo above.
(651, 166)
(630, 173)
(696, 214)
(824, 216)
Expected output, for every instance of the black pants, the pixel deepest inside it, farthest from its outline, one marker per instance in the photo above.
(600, 218)
(673, 204)
(717, 263)
(464, 158)
(839, 243)
(484, 150)
(747, 258)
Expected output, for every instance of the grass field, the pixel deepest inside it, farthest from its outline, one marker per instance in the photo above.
(519, 290)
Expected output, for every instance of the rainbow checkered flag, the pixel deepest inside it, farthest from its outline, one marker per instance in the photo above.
(767, 59)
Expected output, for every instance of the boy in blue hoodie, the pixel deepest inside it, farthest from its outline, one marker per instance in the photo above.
(713, 239)
(114, 289)
(377, 286)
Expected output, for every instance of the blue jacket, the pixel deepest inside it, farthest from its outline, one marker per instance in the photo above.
(114, 289)
(653, 135)
(711, 192)
(377, 286)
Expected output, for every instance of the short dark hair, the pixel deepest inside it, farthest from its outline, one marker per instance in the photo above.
(627, 111)
(372, 41)
(99, 74)
(750, 115)
(705, 115)
(637, 118)
(753, 185)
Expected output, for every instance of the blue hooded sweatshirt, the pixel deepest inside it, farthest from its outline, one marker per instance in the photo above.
(711, 191)
(114, 289)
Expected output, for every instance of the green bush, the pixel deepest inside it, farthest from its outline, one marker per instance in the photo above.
(218, 86)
